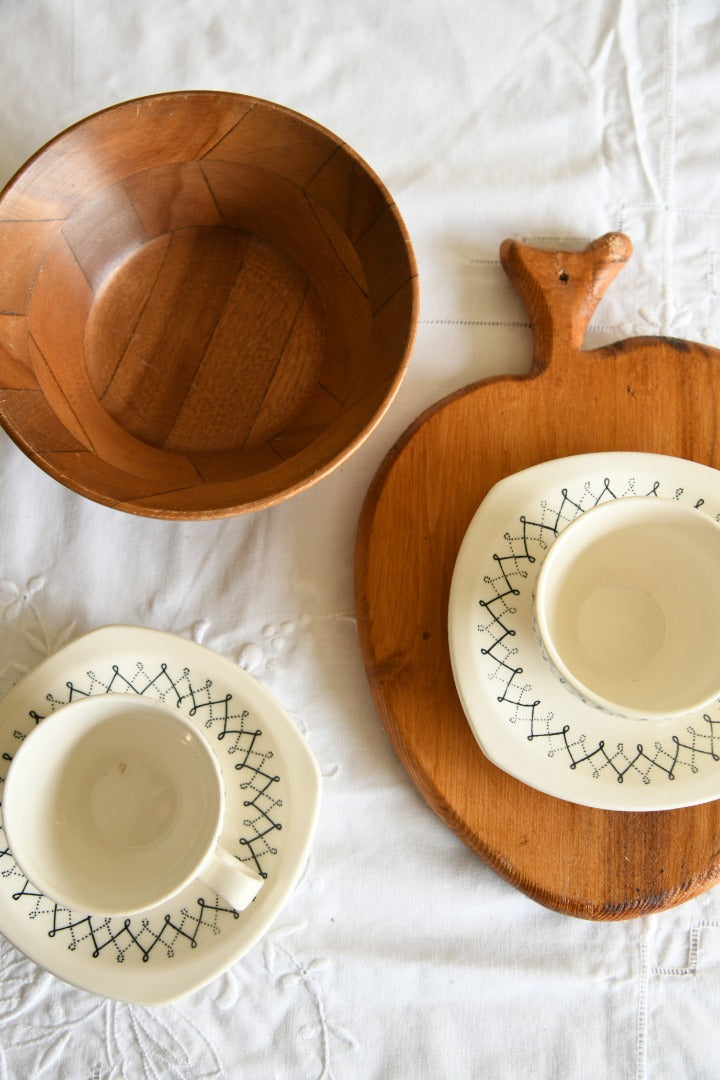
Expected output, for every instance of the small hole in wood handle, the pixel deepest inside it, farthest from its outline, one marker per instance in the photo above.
(563, 276)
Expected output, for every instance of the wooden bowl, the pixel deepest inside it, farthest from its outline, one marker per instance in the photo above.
(207, 302)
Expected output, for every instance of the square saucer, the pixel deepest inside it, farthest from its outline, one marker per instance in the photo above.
(272, 789)
(524, 720)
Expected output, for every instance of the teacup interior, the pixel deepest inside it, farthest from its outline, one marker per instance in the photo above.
(124, 809)
(634, 613)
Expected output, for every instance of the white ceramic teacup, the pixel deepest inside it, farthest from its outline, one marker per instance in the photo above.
(627, 607)
(115, 803)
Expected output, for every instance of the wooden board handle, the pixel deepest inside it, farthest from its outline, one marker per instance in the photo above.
(561, 290)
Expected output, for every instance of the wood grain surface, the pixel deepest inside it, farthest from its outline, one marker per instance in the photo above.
(655, 395)
(207, 302)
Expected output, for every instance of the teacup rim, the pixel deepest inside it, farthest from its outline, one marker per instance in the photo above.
(45, 728)
(639, 508)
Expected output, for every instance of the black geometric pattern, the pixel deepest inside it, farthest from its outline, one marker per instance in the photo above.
(241, 738)
(515, 570)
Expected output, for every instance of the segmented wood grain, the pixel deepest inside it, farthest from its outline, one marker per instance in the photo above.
(207, 301)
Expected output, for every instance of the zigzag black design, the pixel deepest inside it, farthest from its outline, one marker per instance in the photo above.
(512, 570)
(240, 736)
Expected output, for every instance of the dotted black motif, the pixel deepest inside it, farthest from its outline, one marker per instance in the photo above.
(513, 575)
(241, 739)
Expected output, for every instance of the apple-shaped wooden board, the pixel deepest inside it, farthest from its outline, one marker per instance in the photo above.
(650, 394)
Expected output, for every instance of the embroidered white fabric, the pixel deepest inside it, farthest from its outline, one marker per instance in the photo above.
(399, 954)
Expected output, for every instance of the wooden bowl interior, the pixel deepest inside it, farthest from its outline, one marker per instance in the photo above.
(215, 324)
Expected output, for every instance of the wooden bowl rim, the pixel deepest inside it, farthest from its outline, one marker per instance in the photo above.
(222, 505)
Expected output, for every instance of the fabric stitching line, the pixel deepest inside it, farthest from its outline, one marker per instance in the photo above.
(473, 322)
(642, 1011)
(693, 965)
(679, 211)
(670, 69)
(620, 327)
(691, 968)
(712, 278)
(573, 241)
(668, 159)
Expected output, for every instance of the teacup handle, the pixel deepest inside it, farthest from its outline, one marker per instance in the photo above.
(230, 879)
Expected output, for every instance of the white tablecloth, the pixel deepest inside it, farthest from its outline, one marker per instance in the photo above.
(399, 954)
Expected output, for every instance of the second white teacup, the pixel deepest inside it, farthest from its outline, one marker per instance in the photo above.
(115, 803)
(627, 607)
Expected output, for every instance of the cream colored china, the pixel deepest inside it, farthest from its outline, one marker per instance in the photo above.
(627, 607)
(128, 808)
(272, 792)
(525, 720)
